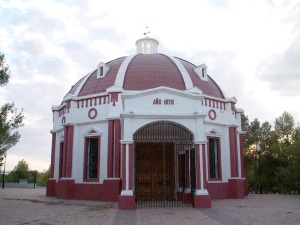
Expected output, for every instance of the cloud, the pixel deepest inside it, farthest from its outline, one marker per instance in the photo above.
(220, 4)
(282, 71)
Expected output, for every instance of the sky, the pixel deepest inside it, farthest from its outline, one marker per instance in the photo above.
(251, 49)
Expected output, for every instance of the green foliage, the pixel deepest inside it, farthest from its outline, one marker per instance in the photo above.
(280, 155)
(43, 177)
(22, 166)
(4, 71)
(284, 126)
(10, 118)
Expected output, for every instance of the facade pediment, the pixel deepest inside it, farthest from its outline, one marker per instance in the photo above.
(162, 99)
(92, 132)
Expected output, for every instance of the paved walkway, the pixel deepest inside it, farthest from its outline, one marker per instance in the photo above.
(30, 206)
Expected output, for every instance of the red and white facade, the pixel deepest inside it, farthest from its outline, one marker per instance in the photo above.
(92, 136)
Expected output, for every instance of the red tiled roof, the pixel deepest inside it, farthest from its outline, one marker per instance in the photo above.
(151, 71)
(146, 72)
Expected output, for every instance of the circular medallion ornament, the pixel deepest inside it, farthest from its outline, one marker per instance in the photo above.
(212, 114)
(92, 113)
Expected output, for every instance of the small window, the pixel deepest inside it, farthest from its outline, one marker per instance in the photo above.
(214, 158)
(101, 71)
(201, 71)
(91, 171)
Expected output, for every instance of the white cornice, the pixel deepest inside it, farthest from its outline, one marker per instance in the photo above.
(114, 88)
(162, 89)
(147, 115)
(239, 110)
(56, 108)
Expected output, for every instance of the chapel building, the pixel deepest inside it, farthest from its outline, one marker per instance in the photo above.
(147, 129)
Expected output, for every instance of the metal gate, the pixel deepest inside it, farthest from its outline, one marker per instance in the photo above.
(164, 165)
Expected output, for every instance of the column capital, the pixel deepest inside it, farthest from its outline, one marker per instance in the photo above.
(126, 141)
(201, 192)
(200, 142)
(126, 193)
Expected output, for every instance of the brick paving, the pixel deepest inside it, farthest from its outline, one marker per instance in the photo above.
(31, 206)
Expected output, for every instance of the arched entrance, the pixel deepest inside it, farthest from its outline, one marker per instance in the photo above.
(164, 165)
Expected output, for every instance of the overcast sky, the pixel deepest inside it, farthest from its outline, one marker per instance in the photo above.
(251, 48)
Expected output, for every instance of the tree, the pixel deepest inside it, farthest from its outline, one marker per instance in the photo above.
(10, 118)
(284, 127)
(22, 166)
(4, 71)
(21, 171)
(43, 177)
(279, 157)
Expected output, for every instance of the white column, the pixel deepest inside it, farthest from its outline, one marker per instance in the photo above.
(127, 167)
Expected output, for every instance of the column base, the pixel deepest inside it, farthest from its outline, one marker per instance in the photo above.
(51, 185)
(126, 202)
(202, 201)
(65, 188)
(236, 188)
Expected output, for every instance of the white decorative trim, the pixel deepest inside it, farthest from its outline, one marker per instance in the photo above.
(122, 71)
(88, 134)
(239, 155)
(161, 89)
(126, 141)
(194, 90)
(111, 178)
(127, 193)
(82, 83)
(105, 69)
(239, 110)
(157, 115)
(114, 88)
(202, 74)
(201, 192)
(127, 167)
(200, 142)
(215, 134)
(58, 107)
(185, 75)
(66, 178)
(201, 168)
(237, 178)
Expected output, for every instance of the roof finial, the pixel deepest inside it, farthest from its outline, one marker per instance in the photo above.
(147, 31)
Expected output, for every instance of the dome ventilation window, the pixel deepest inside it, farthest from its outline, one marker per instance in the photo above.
(201, 71)
(102, 70)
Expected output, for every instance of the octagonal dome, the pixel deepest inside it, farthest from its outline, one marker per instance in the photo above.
(147, 71)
